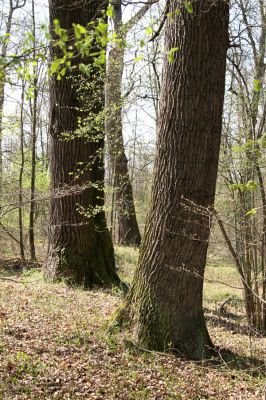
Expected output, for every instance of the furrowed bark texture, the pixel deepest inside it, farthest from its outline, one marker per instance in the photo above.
(128, 230)
(164, 306)
(80, 246)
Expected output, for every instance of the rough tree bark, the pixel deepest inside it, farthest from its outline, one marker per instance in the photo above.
(80, 246)
(164, 306)
(128, 230)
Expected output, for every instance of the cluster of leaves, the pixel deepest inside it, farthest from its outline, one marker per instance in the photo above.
(84, 42)
(24, 65)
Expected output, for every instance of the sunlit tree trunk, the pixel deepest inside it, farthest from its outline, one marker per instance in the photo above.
(164, 306)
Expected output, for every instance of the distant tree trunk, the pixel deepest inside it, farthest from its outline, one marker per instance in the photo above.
(80, 245)
(250, 230)
(128, 230)
(21, 171)
(2, 89)
(12, 8)
(164, 306)
(33, 143)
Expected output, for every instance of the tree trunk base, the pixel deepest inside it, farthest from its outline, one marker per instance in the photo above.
(86, 266)
(154, 329)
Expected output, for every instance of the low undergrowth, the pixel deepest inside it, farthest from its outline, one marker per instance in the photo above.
(53, 345)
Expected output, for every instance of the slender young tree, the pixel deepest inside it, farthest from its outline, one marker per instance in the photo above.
(21, 172)
(13, 6)
(33, 110)
(164, 305)
(80, 245)
(242, 166)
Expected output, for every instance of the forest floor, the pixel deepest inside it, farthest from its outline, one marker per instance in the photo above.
(54, 345)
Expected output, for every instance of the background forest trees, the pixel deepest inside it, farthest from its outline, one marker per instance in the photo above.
(242, 167)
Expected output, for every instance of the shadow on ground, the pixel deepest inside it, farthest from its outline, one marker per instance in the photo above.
(14, 267)
(232, 326)
(252, 366)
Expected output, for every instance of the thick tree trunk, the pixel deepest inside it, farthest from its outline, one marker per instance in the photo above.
(128, 230)
(80, 246)
(164, 305)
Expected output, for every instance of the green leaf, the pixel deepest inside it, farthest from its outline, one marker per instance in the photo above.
(251, 185)
(139, 58)
(257, 85)
(79, 30)
(102, 27)
(171, 54)
(148, 30)
(102, 57)
(188, 6)
(55, 66)
(110, 11)
(63, 71)
(85, 69)
(30, 93)
(142, 43)
(251, 212)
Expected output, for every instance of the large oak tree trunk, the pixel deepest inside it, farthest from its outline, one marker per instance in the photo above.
(128, 230)
(80, 246)
(164, 305)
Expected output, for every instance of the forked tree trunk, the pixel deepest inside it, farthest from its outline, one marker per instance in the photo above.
(80, 246)
(164, 306)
